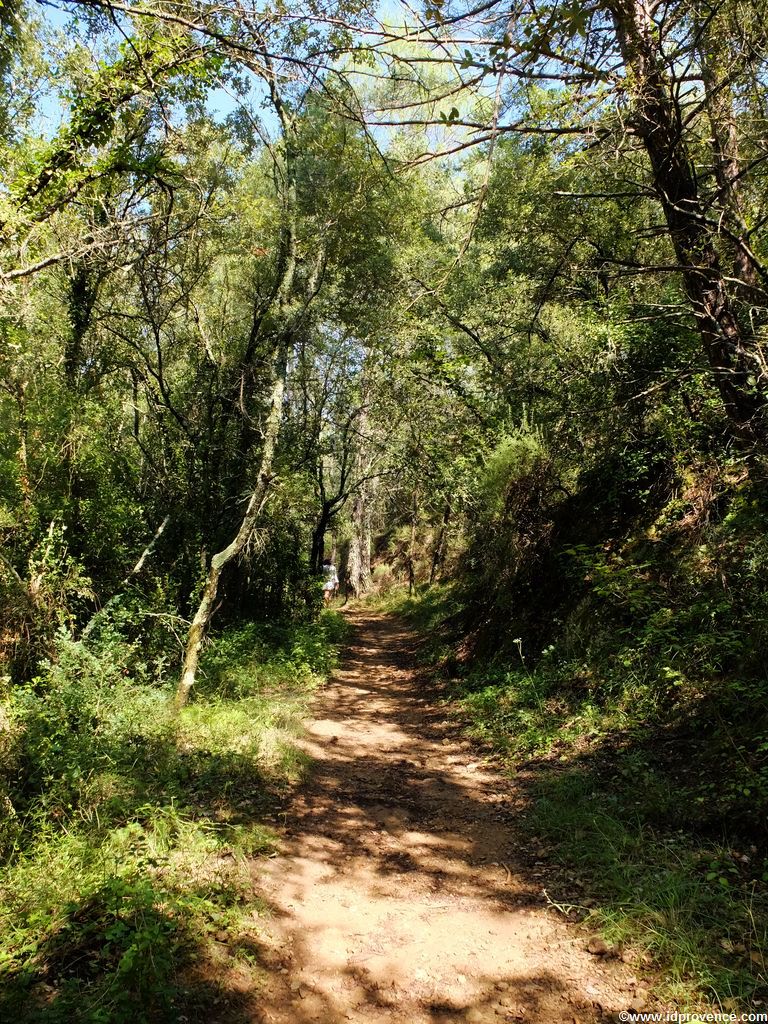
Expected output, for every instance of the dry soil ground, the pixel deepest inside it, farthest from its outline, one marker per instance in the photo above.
(401, 894)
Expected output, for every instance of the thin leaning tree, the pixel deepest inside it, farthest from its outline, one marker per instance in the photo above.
(274, 328)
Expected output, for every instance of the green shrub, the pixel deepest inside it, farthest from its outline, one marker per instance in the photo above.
(131, 826)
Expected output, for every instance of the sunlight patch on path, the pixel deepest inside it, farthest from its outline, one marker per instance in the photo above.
(397, 898)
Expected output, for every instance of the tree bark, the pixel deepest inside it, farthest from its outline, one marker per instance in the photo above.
(732, 353)
(22, 454)
(317, 553)
(713, 55)
(278, 319)
(412, 548)
(234, 549)
(359, 575)
(439, 550)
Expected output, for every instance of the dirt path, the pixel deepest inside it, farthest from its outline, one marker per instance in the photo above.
(397, 898)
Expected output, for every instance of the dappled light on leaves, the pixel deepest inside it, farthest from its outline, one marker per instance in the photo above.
(350, 325)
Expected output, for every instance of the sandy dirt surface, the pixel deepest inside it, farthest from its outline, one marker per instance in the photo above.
(400, 895)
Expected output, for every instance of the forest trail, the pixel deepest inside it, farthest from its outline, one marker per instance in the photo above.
(397, 897)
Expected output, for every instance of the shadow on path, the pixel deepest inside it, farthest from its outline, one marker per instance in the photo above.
(398, 897)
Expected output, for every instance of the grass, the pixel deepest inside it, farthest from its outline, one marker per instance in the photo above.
(692, 904)
(132, 833)
(649, 805)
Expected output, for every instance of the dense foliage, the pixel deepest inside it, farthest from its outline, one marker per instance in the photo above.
(475, 302)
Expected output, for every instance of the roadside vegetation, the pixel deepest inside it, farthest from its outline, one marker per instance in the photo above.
(629, 699)
(128, 893)
(474, 304)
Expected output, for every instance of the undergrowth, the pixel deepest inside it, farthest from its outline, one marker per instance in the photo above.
(128, 829)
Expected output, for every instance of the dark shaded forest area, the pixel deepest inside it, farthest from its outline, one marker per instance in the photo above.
(471, 300)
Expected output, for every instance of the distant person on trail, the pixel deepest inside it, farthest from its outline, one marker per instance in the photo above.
(330, 581)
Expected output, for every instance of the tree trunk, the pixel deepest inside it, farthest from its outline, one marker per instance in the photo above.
(439, 550)
(412, 549)
(278, 319)
(714, 60)
(234, 549)
(22, 453)
(359, 575)
(317, 553)
(145, 555)
(366, 535)
(731, 352)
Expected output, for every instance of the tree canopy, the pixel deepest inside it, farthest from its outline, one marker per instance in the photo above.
(463, 295)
